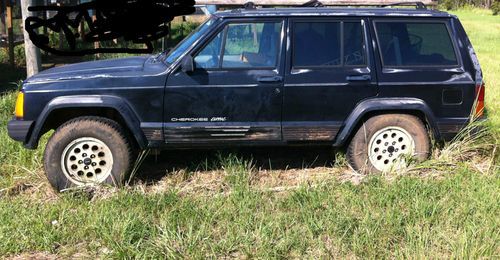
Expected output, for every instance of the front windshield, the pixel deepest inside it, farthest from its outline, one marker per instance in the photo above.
(175, 53)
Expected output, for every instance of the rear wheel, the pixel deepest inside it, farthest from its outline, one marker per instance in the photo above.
(87, 151)
(384, 142)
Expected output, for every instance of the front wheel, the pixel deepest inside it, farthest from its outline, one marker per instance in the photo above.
(87, 151)
(384, 142)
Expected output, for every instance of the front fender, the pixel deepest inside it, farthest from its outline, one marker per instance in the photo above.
(91, 101)
(381, 105)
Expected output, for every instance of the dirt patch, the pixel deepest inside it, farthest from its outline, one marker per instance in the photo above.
(35, 256)
(211, 183)
(201, 172)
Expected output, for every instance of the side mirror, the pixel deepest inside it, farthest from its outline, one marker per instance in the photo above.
(187, 64)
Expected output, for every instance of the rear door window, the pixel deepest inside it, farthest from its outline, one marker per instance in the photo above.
(415, 44)
(354, 44)
(328, 43)
(316, 44)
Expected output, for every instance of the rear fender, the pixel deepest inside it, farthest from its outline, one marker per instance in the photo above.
(401, 105)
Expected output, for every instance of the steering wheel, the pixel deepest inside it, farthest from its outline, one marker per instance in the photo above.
(415, 42)
(389, 45)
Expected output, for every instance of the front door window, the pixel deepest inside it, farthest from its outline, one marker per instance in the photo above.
(242, 45)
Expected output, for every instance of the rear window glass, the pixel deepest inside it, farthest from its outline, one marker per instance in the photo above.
(415, 44)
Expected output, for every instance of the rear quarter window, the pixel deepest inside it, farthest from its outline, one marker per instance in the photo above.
(410, 43)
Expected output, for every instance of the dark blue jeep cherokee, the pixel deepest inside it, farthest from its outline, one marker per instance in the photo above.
(381, 81)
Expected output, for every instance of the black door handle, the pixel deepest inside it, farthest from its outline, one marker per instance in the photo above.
(270, 79)
(359, 78)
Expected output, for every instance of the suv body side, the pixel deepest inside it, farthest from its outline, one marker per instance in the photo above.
(321, 105)
(277, 105)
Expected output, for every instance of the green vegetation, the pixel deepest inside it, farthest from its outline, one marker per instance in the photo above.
(227, 206)
(468, 4)
(178, 32)
(495, 7)
(456, 217)
(19, 56)
(483, 30)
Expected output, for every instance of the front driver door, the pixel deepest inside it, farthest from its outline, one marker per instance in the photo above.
(234, 93)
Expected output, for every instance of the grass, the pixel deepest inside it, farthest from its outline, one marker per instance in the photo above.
(483, 30)
(455, 217)
(229, 205)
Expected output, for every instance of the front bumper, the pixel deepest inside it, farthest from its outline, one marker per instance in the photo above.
(19, 129)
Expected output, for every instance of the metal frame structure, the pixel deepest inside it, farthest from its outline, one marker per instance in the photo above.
(323, 2)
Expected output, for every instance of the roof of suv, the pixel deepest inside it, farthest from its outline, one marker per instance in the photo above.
(328, 11)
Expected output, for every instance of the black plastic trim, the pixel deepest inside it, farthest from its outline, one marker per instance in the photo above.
(19, 130)
(92, 101)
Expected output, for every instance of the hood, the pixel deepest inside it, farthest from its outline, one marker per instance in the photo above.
(92, 69)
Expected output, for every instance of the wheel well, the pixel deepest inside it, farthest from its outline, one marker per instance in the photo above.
(60, 116)
(421, 115)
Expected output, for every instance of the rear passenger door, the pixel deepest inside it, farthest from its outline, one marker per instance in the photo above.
(328, 71)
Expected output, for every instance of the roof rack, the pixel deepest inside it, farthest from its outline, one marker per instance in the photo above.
(316, 3)
(418, 5)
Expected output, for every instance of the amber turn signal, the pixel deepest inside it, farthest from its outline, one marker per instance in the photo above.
(20, 105)
(480, 89)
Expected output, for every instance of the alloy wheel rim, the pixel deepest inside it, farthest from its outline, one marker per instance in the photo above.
(87, 161)
(389, 146)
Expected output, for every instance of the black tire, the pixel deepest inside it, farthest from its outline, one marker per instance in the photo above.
(104, 130)
(357, 151)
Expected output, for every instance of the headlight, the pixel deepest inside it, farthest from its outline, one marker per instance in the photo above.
(20, 106)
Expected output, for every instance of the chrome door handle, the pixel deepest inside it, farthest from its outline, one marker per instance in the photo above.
(359, 78)
(271, 79)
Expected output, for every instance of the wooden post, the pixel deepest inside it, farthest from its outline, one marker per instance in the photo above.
(33, 59)
(46, 16)
(169, 36)
(164, 40)
(61, 34)
(96, 44)
(255, 33)
(182, 27)
(3, 9)
(10, 33)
